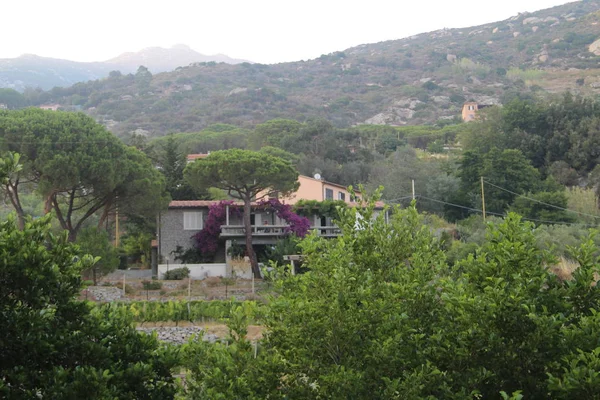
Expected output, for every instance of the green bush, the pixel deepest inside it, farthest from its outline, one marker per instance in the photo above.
(152, 285)
(177, 274)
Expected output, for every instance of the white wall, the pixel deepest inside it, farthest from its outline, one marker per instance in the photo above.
(197, 271)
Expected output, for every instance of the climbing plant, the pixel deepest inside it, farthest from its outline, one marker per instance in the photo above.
(326, 208)
(207, 240)
(298, 225)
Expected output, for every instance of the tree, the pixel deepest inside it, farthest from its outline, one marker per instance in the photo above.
(10, 168)
(542, 207)
(172, 163)
(96, 243)
(274, 133)
(54, 346)
(507, 169)
(11, 98)
(79, 167)
(247, 176)
(379, 315)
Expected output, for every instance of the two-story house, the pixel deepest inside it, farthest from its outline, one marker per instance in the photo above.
(183, 219)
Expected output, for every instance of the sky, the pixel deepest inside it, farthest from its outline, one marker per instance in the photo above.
(264, 31)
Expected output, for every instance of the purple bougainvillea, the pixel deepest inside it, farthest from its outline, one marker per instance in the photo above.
(298, 225)
(207, 240)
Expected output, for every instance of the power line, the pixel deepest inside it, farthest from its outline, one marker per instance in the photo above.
(503, 215)
(541, 202)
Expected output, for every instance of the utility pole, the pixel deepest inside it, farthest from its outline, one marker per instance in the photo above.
(482, 199)
(413, 188)
(117, 224)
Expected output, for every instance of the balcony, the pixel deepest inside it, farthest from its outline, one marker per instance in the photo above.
(231, 231)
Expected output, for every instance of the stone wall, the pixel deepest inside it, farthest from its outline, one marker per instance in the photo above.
(172, 234)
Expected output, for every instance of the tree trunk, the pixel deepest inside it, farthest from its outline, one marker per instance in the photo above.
(248, 231)
(12, 189)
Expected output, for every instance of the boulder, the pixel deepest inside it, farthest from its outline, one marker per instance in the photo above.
(595, 47)
(532, 20)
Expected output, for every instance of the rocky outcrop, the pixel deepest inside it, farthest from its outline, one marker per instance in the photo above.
(237, 90)
(595, 47)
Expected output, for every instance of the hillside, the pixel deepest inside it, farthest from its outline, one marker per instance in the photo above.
(31, 71)
(416, 80)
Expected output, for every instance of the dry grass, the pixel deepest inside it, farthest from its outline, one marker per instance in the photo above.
(240, 266)
(565, 268)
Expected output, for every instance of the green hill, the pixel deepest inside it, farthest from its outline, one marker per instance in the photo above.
(416, 80)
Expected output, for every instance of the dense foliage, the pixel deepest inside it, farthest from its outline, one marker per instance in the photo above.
(80, 170)
(380, 315)
(54, 346)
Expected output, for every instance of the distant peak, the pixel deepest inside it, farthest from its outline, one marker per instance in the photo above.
(180, 46)
(29, 55)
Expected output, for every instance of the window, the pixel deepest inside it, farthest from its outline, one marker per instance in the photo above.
(342, 196)
(192, 220)
(328, 194)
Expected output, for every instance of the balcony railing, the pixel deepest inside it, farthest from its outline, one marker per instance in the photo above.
(274, 230)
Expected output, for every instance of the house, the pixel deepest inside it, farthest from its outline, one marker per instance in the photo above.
(185, 218)
(469, 110)
(318, 189)
(3, 106)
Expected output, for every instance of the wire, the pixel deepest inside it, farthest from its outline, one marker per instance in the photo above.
(541, 202)
(504, 215)
(399, 198)
(459, 206)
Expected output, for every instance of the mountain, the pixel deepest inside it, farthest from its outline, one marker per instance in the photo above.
(158, 59)
(34, 71)
(415, 80)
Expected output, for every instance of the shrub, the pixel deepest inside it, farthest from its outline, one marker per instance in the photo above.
(177, 274)
(129, 289)
(151, 285)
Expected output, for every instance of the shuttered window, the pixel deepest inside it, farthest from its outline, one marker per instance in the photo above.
(192, 220)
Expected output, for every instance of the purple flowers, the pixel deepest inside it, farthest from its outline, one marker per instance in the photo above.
(207, 240)
(299, 226)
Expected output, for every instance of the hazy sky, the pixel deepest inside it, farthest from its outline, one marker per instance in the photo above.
(266, 31)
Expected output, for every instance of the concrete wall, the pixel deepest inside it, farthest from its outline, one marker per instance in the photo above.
(172, 233)
(197, 271)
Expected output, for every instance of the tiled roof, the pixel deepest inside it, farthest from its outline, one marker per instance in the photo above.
(192, 203)
(208, 203)
(192, 157)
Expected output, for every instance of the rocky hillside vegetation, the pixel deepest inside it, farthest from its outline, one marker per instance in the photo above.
(417, 80)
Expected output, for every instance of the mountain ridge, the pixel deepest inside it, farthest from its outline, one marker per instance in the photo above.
(33, 71)
(422, 79)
